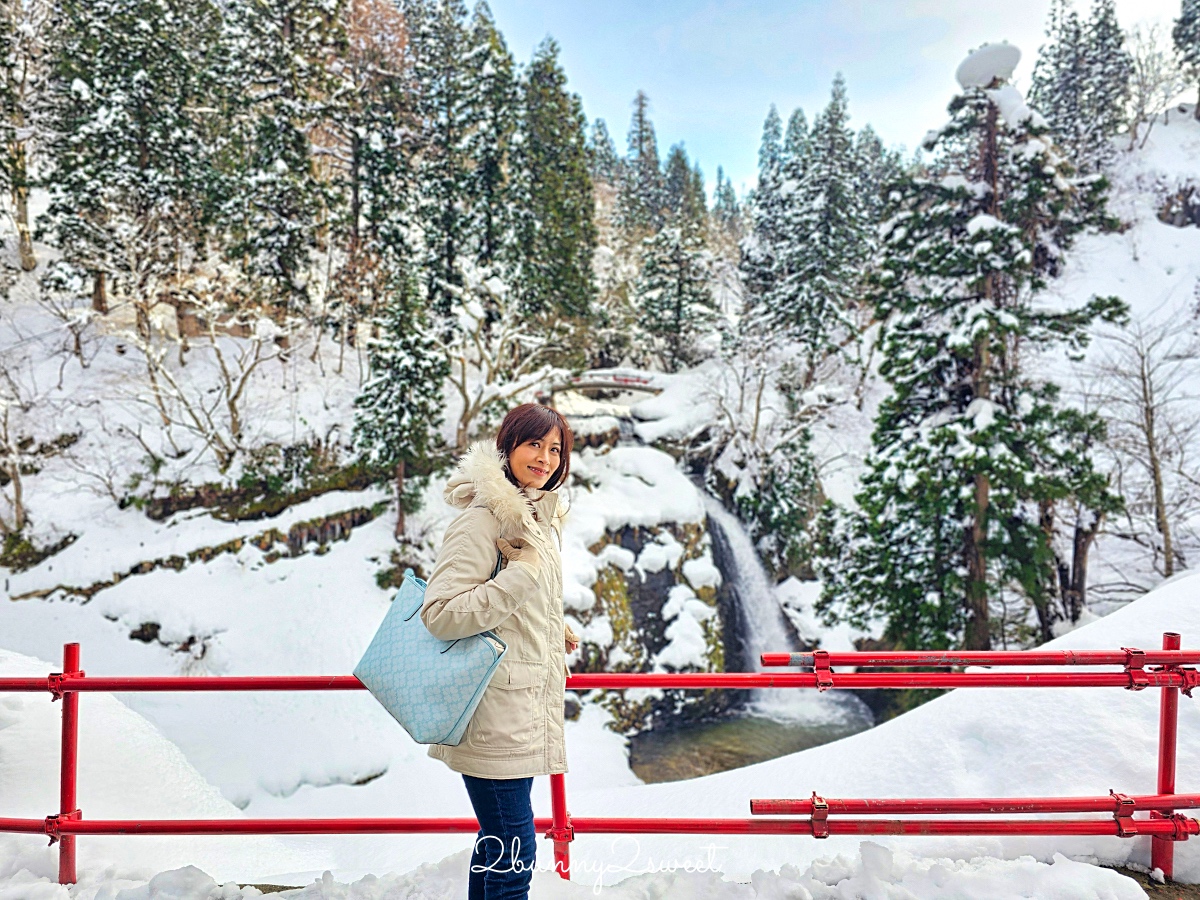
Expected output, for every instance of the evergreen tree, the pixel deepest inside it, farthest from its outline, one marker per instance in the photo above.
(725, 205)
(760, 247)
(488, 144)
(399, 408)
(603, 162)
(1081, 81)
(1110, 69)
(273, 200)
(127, 167)
(683, 190)
(824, 239)
(1186, 35)
(375, 126)
(878, 169)
(795, 146)
(640, 202)
(675, 302)
(449, 101)
(558, 230)
(971, 444)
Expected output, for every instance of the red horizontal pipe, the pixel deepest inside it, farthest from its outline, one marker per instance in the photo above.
(620, 680)
(863, 680)
(604, 825)
(985, 658)
(24, 685)
(966, 806)
(214, 683)
(877, 826)
(22, 826)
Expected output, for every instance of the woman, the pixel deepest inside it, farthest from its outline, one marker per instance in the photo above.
(508, 494)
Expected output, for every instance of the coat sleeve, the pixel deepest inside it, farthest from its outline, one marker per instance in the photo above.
(461, 597)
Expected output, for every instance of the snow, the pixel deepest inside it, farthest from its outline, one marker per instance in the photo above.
(1013, 108)
(127, 768)
(985, 65)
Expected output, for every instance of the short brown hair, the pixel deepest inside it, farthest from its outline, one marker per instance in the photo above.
(531, 422)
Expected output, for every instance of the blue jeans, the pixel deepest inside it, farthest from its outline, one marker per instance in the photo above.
(504, 854)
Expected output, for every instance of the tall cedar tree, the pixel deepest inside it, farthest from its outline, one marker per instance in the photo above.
(824, 237)
(1186, 34)
(279, 84)
(640, 201)
(1081, 81)
(127, 167)
(446, 67)
(603, 162)
(972, 448)
(489, 144)
(372, 134)
(758, 264)
(557, 230)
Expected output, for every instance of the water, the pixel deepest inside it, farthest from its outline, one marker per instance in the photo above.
(775, 721)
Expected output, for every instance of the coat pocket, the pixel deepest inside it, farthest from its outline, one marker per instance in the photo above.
(504, 719)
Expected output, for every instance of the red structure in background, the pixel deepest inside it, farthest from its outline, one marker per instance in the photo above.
(814, 816)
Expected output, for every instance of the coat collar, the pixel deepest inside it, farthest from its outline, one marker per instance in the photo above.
(479, 480)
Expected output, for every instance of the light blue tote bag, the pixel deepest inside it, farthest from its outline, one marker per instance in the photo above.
(430, 686)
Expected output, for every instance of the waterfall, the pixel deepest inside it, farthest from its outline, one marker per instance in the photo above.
(765, 628)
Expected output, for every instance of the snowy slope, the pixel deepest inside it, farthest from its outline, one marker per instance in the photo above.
(126, 769)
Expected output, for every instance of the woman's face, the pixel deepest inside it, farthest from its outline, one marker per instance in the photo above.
(533, 462)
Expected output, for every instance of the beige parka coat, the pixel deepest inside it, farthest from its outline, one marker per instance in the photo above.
(517, 729)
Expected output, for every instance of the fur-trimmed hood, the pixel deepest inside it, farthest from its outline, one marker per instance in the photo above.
(479, 480)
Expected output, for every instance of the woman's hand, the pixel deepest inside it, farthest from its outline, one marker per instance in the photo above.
(570, 638)
(519, 550)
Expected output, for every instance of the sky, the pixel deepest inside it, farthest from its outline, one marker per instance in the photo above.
(712, 68)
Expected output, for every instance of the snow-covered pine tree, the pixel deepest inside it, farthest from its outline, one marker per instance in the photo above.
(640, 201)
(371, 133)
(1110, 67)
(758, 265)
(824, 241)
(674, 296)
(1060, 77)
(127, 167)
(399, 408)
(726, 211)
(448, 90)
(683, 190)
(556, 232)
(972, 447)
(490, 142)
(274, 202)
(1081, 81)
(603, 162)
(795, 147)
(1186, 34)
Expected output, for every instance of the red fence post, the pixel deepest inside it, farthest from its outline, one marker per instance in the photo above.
(1162, 850)
(560, 827)
(67, 766)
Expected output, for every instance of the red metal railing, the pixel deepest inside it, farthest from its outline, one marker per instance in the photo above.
(1167, 669)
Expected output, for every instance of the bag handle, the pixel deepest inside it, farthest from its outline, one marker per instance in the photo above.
(495, 572)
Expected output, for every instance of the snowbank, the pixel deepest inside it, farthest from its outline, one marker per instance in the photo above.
(126, 769)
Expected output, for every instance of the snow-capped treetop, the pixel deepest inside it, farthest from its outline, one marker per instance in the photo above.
(987, 63)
